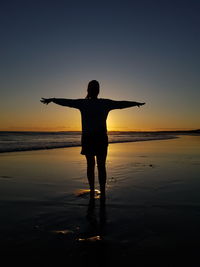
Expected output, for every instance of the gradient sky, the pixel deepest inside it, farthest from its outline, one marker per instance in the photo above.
(146, 51)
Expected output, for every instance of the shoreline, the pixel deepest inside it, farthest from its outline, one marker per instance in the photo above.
(19, 141)
(79, 145)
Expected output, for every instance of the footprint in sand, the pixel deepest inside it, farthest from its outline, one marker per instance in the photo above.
(5, 177)
(63, 232)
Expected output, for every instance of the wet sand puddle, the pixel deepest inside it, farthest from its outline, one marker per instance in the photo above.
(85, 193)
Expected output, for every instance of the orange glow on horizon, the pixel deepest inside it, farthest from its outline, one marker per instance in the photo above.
(110, 129)
(56, 119)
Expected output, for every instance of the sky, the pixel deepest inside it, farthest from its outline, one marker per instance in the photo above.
(145, 51)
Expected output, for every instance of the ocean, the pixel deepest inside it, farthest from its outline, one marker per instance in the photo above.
(25, 141)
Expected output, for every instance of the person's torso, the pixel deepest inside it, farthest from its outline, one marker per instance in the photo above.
(94, 114)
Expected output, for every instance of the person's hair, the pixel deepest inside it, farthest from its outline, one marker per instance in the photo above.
(93, 89)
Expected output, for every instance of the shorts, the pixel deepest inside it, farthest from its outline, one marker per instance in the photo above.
(94, 144)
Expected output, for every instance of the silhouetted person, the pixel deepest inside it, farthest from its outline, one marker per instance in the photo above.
(94, 141)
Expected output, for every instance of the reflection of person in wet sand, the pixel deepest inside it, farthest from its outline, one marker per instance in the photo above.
(94, 112)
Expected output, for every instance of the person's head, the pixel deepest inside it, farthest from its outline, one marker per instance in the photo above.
(93, 89)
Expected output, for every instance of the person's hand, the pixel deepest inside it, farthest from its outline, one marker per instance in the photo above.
(140, 104)
(46, 100)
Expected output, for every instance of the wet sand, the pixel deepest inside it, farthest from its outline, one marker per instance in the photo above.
(151, 216)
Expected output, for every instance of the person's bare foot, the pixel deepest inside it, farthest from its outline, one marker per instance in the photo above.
(92, 193)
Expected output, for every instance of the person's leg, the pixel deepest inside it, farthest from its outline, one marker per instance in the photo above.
(90, 172)
(101, 164)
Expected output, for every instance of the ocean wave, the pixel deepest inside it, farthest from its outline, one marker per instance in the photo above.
(16, 142)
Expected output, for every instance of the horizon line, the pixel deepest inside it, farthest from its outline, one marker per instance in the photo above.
(109, 131)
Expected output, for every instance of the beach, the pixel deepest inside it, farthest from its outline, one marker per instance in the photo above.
(150, 217)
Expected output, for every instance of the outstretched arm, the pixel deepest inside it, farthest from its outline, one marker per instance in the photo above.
(61, 101)
(124, 104)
